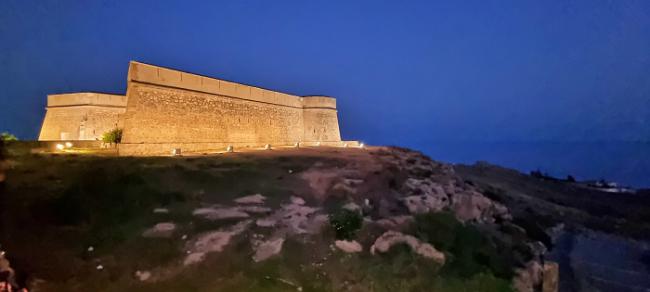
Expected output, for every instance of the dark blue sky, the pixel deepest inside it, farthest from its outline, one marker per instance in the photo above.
(404, 72)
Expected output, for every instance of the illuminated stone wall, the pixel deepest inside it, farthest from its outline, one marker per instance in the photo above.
(170, 109)
(81, 116)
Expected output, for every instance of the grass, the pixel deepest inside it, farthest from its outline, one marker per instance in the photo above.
(469, 251)
(58, 205)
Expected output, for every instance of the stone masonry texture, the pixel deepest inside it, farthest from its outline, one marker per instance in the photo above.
(166, 109)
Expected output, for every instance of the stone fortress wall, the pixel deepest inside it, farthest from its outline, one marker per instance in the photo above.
(81, 116)
(169, 109)
(166, 109)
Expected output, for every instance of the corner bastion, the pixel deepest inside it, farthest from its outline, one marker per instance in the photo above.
(84, 116)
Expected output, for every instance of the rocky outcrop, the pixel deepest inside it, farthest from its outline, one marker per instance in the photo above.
(432, 187)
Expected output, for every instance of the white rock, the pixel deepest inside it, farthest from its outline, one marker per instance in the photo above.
(391, 238)
(220, 213)
(252, 199)
(91, 249)
(165, 229)
(268, 249)
(143, 276)
(161, 211)
(266, 222)
(297, 200)
(99, 267)
(348, 246)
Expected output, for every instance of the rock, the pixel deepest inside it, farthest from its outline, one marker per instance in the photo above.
(422, 204)
(160, 211)
(193, 258)
(99, 267)
(266, 222)
(551, 280)
(213, 241)
(254, 209)
(220, 213)
(143, 276)
(471, 205)
(391, 238)
(527, 278)
(160, 230)
(90, 249)
(396, 222)
(348, 246)
(297, 200)
(267, 249)
(252, 199)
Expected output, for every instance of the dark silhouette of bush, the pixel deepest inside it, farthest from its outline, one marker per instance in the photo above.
(346, 223)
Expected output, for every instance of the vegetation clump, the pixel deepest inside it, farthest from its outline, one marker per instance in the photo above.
(6, 136)
(471, 252)
(346, 223)
(113, 136)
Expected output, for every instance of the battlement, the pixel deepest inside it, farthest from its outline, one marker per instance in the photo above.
(86, 99)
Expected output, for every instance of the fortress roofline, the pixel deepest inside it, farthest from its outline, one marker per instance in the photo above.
(221, 79)
(86, 92)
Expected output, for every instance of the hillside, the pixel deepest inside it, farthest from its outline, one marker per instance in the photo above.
(308, 219)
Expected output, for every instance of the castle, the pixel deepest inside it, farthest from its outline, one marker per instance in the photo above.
(166, 110)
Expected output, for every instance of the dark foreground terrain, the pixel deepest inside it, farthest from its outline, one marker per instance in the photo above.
(310, 219)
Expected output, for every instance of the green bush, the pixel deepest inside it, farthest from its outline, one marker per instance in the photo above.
(346, 223)
(113, 136)
(5, 136)
(470, 251)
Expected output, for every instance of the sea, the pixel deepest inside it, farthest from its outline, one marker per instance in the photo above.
(627, 163)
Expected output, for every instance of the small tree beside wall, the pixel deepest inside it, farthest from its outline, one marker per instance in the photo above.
(113, 136)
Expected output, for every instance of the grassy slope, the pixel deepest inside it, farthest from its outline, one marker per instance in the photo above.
(539, 204)
(57, 205)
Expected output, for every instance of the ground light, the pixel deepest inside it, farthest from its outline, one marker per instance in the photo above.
(68, 145)
(59, 147)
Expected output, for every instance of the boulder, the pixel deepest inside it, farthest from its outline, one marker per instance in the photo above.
(391, 238)
(267, 249)
(528, 278)
(348, 246)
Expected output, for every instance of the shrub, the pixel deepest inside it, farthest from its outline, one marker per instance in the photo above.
(5, 136)
(470, 251)
(112, 136)
(346, 223)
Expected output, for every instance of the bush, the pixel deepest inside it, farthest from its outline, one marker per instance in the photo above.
(113, 136)
(5, 136)
(471, 252)
(346, 223)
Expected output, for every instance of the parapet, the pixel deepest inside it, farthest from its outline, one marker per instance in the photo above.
(86, 99)
(155, 75)
(318, 101)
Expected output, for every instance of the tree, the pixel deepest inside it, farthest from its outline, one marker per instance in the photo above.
(6, 136)
(112, 136)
